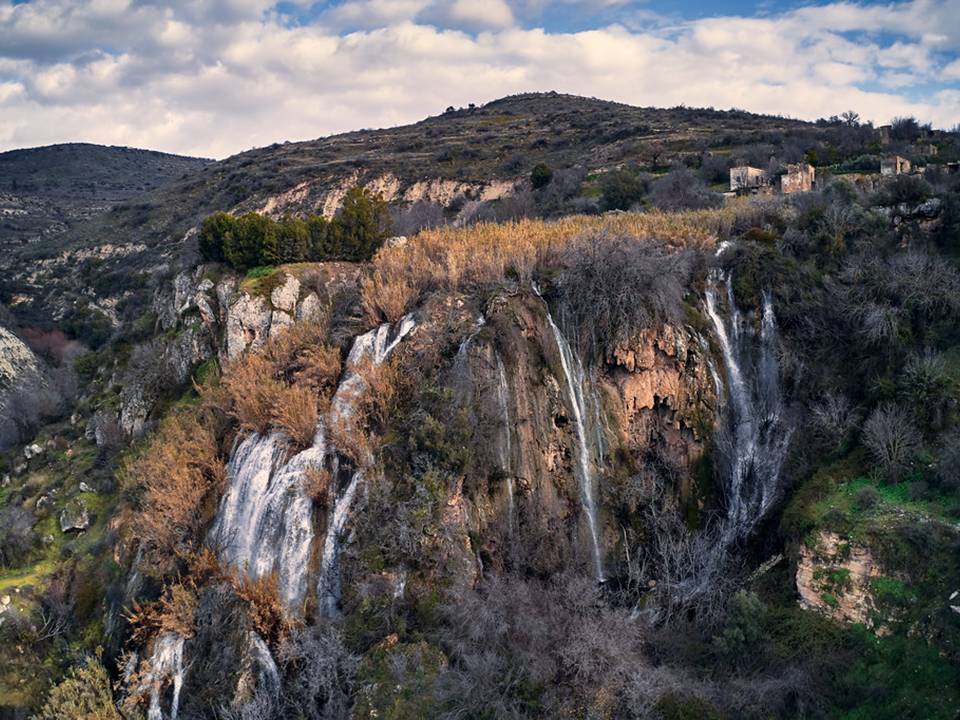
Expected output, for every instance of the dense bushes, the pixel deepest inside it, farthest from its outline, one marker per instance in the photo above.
(249, 240)
(622, 189)
(84, 694)
(174, 483)
(598, 288)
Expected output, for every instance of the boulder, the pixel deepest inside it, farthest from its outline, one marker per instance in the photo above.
(74, 517)
(284, 297)
(248, 325)
(310, 309)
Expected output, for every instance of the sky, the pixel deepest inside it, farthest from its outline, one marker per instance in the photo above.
(216, 77)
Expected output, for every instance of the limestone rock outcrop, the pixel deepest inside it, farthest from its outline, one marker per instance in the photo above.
(833, 577)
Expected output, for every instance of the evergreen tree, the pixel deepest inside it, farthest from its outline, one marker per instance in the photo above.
(293, 239)
(540, 176)
(362, 225)
(213, 232)
(319, 232)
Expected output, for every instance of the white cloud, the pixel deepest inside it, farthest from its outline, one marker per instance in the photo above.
(213, 78)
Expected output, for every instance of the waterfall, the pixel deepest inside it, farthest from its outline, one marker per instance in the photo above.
(267, 673)
(755, 436)
(506, 442)
(576, 381)
(265, 521)
(166, 663)
(376, 346)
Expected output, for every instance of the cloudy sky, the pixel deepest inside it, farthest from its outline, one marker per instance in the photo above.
(216, 77)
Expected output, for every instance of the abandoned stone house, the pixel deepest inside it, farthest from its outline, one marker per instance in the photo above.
(894, 165)
(746, 179)
(883, 134)
(800, 177)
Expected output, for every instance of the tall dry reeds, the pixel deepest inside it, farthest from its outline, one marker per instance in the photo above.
(450, 258)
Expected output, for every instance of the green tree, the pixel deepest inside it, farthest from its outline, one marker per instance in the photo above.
(254, 242)
(621, 189)
(320, 240)
(213, 232)
(362, 225)
(293, 239)
(540, 176)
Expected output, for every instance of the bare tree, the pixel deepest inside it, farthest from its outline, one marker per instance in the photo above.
(891, 437)
(833, 419)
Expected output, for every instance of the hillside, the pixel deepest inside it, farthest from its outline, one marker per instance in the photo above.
(46, 192)
(594, 441)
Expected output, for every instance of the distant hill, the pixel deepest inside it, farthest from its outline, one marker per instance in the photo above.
(463, 155)
(45, 191)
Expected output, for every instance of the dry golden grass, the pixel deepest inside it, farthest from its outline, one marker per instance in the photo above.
(173, 612)
(451, 257)
(252, 391)
(266, 609)
(284, 386)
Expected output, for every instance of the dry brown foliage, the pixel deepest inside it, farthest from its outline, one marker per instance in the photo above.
(176, 480)
(252, 391)
(357, 435)
(450, 257)
(284, 386)
(316, 483)
(295, 413)
(266, 608)
(173, 612)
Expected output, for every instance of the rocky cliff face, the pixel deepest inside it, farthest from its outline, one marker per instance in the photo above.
(833, 577)
(522, 503)
(204, 317)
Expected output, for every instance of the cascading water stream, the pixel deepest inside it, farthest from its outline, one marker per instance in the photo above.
(376, 346)
(265, 522)
(755, 437)
(166, 663)
(506, 442)
(576, 381)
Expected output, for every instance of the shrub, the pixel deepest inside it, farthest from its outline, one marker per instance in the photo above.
(266, 609)
(16, 535)
(680, 189)
(833, 420)
(893, 441)
(621, 189)
(175, 481)
(598, 288)
(866, 498)
(947, 466)
(715, 168)
(294, 412)
(83, 695)
(540, 176)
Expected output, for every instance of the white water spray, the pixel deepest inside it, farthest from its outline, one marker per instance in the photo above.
(755, 437)
(576, 381)
(166, 664)
(376, 346)
(506, 442)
